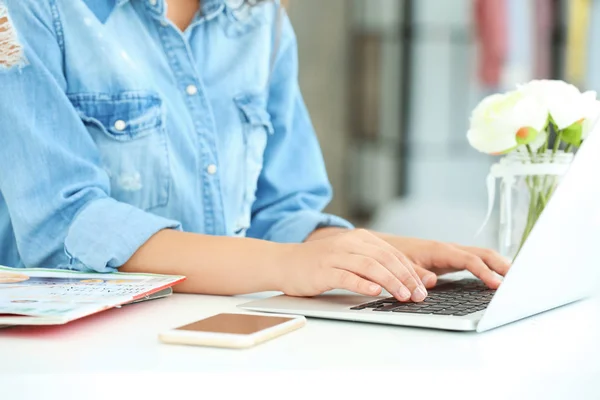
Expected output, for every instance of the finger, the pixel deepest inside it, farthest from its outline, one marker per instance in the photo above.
(383, 268)
(399, 270)
(376, 241)
(370, 269)
(411, 267)
(342, 279)
(465, 260)
(428, 278)
(494, 260)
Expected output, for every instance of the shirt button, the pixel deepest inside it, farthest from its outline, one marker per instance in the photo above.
(164, 23)
(211, 169)
(120, 125)
(153, 2)
(191, 90)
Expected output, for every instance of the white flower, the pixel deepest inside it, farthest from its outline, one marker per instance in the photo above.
(565, 103)
(502, 122)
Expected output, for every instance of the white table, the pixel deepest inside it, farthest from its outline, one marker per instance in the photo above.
(555, 355)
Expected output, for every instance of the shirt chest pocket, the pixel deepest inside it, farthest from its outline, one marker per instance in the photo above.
(129, 131)
(257, 126)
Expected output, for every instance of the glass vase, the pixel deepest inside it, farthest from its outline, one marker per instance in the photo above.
(527, 182)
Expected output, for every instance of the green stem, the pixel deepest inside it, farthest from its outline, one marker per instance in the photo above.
(530, 152)
(554, 150)
(529, 224)
(540, 191)
(538, 199)
(549, 190)
(557, 142)
(568, 148)
(544, 147)
(543, 201)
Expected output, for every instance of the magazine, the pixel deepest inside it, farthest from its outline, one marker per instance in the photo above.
(38, 296)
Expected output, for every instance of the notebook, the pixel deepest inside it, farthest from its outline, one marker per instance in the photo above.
(38, 296)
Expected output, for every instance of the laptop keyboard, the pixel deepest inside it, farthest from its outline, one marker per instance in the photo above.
(458, 298)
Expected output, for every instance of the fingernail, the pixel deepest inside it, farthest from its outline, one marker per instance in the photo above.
(427, 279)
(374, 288)
(419, 294)
(404, 293)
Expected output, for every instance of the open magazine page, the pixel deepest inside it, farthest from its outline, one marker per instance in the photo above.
(46, 296)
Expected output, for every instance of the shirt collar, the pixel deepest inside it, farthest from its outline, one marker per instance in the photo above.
(212, 7)
(103, 8)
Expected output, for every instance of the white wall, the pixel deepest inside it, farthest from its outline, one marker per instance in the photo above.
(446, 182)
(446, 178)
(322, 30)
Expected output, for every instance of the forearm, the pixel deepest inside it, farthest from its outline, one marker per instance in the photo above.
(212, 264)
(326, 232)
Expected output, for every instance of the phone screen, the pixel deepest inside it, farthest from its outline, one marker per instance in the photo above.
(239, 324)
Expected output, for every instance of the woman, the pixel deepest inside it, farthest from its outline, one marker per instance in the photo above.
(175, 140)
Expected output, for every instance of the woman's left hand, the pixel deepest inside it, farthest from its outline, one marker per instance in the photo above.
(432, 258)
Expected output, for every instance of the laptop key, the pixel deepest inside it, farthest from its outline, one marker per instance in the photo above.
(393, 307)
(436, 309)
(370, 305)
(424, 311)
(461, 313)
(463, 297)
(451, 310)
(407, 311)
(445, 312)
(357, 308)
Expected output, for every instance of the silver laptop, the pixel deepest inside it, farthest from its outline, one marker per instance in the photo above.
(559, 264)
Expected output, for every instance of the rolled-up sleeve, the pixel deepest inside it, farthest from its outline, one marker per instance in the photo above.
(296, 226)
(107, 233)
(51, 176)
(293, 188)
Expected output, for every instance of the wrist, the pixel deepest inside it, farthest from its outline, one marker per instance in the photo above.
(325, 232)
(277, 265)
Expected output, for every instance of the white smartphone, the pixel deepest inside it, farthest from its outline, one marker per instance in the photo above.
(233, 330)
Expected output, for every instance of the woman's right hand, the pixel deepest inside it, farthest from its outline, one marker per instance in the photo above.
(354, 260)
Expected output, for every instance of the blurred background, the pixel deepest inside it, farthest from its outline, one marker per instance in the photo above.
(391, 84)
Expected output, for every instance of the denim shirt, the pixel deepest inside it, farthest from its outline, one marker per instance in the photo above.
(114, 125)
